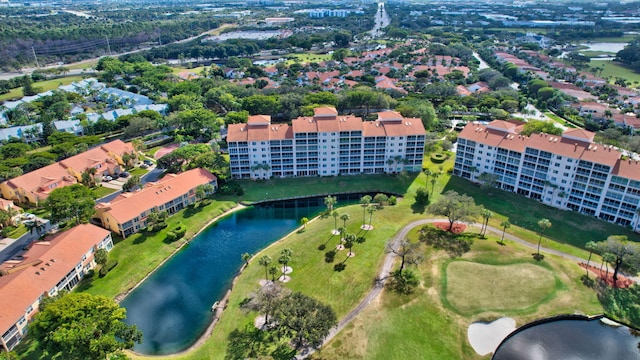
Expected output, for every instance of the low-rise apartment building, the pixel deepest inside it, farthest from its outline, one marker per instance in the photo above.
(569, 171)
(326, 144)
(35, 186)
(47, 267)
(127, 213)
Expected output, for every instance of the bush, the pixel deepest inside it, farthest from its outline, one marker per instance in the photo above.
(422, 196)
(103, 272)
(393, 200)
(171, 236)
(438, 158)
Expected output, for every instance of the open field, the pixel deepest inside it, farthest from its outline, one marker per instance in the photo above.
(43, 85)
(308, 58)
(495, 287)
(615, 70)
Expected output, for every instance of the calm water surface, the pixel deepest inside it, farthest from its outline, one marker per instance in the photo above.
(569, 340)
(173, 306)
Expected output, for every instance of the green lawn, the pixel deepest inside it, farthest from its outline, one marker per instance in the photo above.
(138, 171)
(101, 191)
(308, 58)
(288, 187)
(496, 287)
(615, 70)
(43, 85)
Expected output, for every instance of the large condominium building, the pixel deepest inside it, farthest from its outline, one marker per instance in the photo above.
(568, 171)
(58, 263)
(326, 144)
(127, 213)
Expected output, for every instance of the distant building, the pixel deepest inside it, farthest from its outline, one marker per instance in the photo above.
(321, 13)
(58, 263)
(35, 186)
(127, 213)
(326, 144)
(279, 20)
(533, 38)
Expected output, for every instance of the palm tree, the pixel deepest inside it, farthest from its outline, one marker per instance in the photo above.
(335, 215)
(285, 258)
(330, 201)
(273, 271)
(304, 222)
(265, 260)
(505, 225)
(434, 179)
(349, 240)
(486, 215)
(544, 224)
(246, 257)
(591, 246)
(365, 201)
(608, 258)
(371, 210)
(428, 173)
(344, 218)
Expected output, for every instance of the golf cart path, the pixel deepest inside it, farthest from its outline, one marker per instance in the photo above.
(390, 259)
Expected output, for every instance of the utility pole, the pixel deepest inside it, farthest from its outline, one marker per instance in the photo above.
(34, 55)
(108, 46)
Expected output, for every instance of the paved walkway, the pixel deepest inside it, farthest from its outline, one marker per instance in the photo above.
(390, 259)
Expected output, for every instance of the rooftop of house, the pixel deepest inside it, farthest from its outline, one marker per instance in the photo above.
(130, 205)
(41, 268)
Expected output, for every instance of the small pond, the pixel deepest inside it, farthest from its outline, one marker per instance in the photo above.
(571, 337)
(172, 307)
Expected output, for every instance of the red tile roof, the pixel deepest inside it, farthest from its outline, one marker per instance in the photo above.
(58, 255)
(128, 206)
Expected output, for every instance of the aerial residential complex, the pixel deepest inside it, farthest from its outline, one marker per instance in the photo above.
(326, 144)
(50, 266)
(127, 213)
(567, 172)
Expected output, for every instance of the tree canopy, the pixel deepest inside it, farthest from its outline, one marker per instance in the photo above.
(455, 207)
(83, 326)
(71, 202)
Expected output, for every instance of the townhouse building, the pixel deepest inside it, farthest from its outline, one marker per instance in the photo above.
(46, 268)
(127, 213)
(569, 171)
(326, 144)
(35, 186)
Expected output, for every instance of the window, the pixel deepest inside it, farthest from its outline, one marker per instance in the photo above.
(567, 167)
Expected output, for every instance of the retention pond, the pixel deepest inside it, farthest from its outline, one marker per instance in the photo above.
(172, 307)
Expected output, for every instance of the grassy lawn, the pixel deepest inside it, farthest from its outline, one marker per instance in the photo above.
(568, 227)
(43, 85)
(196, 70)
(495, 287)
(288, 187)
(138, 171)
(87, 64)
(615, 70)
(101, 191)
(308, 58)
(421, 326)
(18, 231)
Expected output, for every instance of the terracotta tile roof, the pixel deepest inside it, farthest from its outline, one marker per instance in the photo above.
(629, 169)
(127, 206)
(579, 134)
(463, 91)
(389, 116)
(373, 128)
(325, 111)
(62, 252)
(36, 181)
(305, 125)
(259, 119)
(237, 132)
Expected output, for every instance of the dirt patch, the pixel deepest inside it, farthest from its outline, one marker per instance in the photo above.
(456, 229)
(623, 281)
(165, 150)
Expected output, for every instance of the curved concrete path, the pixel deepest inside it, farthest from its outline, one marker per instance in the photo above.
(388, 263)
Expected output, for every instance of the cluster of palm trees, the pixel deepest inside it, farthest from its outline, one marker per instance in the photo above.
(284, 259)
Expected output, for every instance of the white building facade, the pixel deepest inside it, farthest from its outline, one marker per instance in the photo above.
(326, 144)
(568, 172)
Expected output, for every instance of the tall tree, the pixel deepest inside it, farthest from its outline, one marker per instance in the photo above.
(591, 246)
(407, 251)
(285, 258)
(627, 253)
(505, 225)
(335, 215)
(371, 210)
(543, 224)
(304, 222)
(344, 218)
(245, 258)
(306, 320)
(83, 326)
(265, 260)
(71, 202)
(486, 215)
(329, 202)
(365, 201)
(455, 207)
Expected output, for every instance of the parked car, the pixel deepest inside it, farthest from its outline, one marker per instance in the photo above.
(28, 216)
(124, 174)
(143, 166)
(107, 178)
(148, 162)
